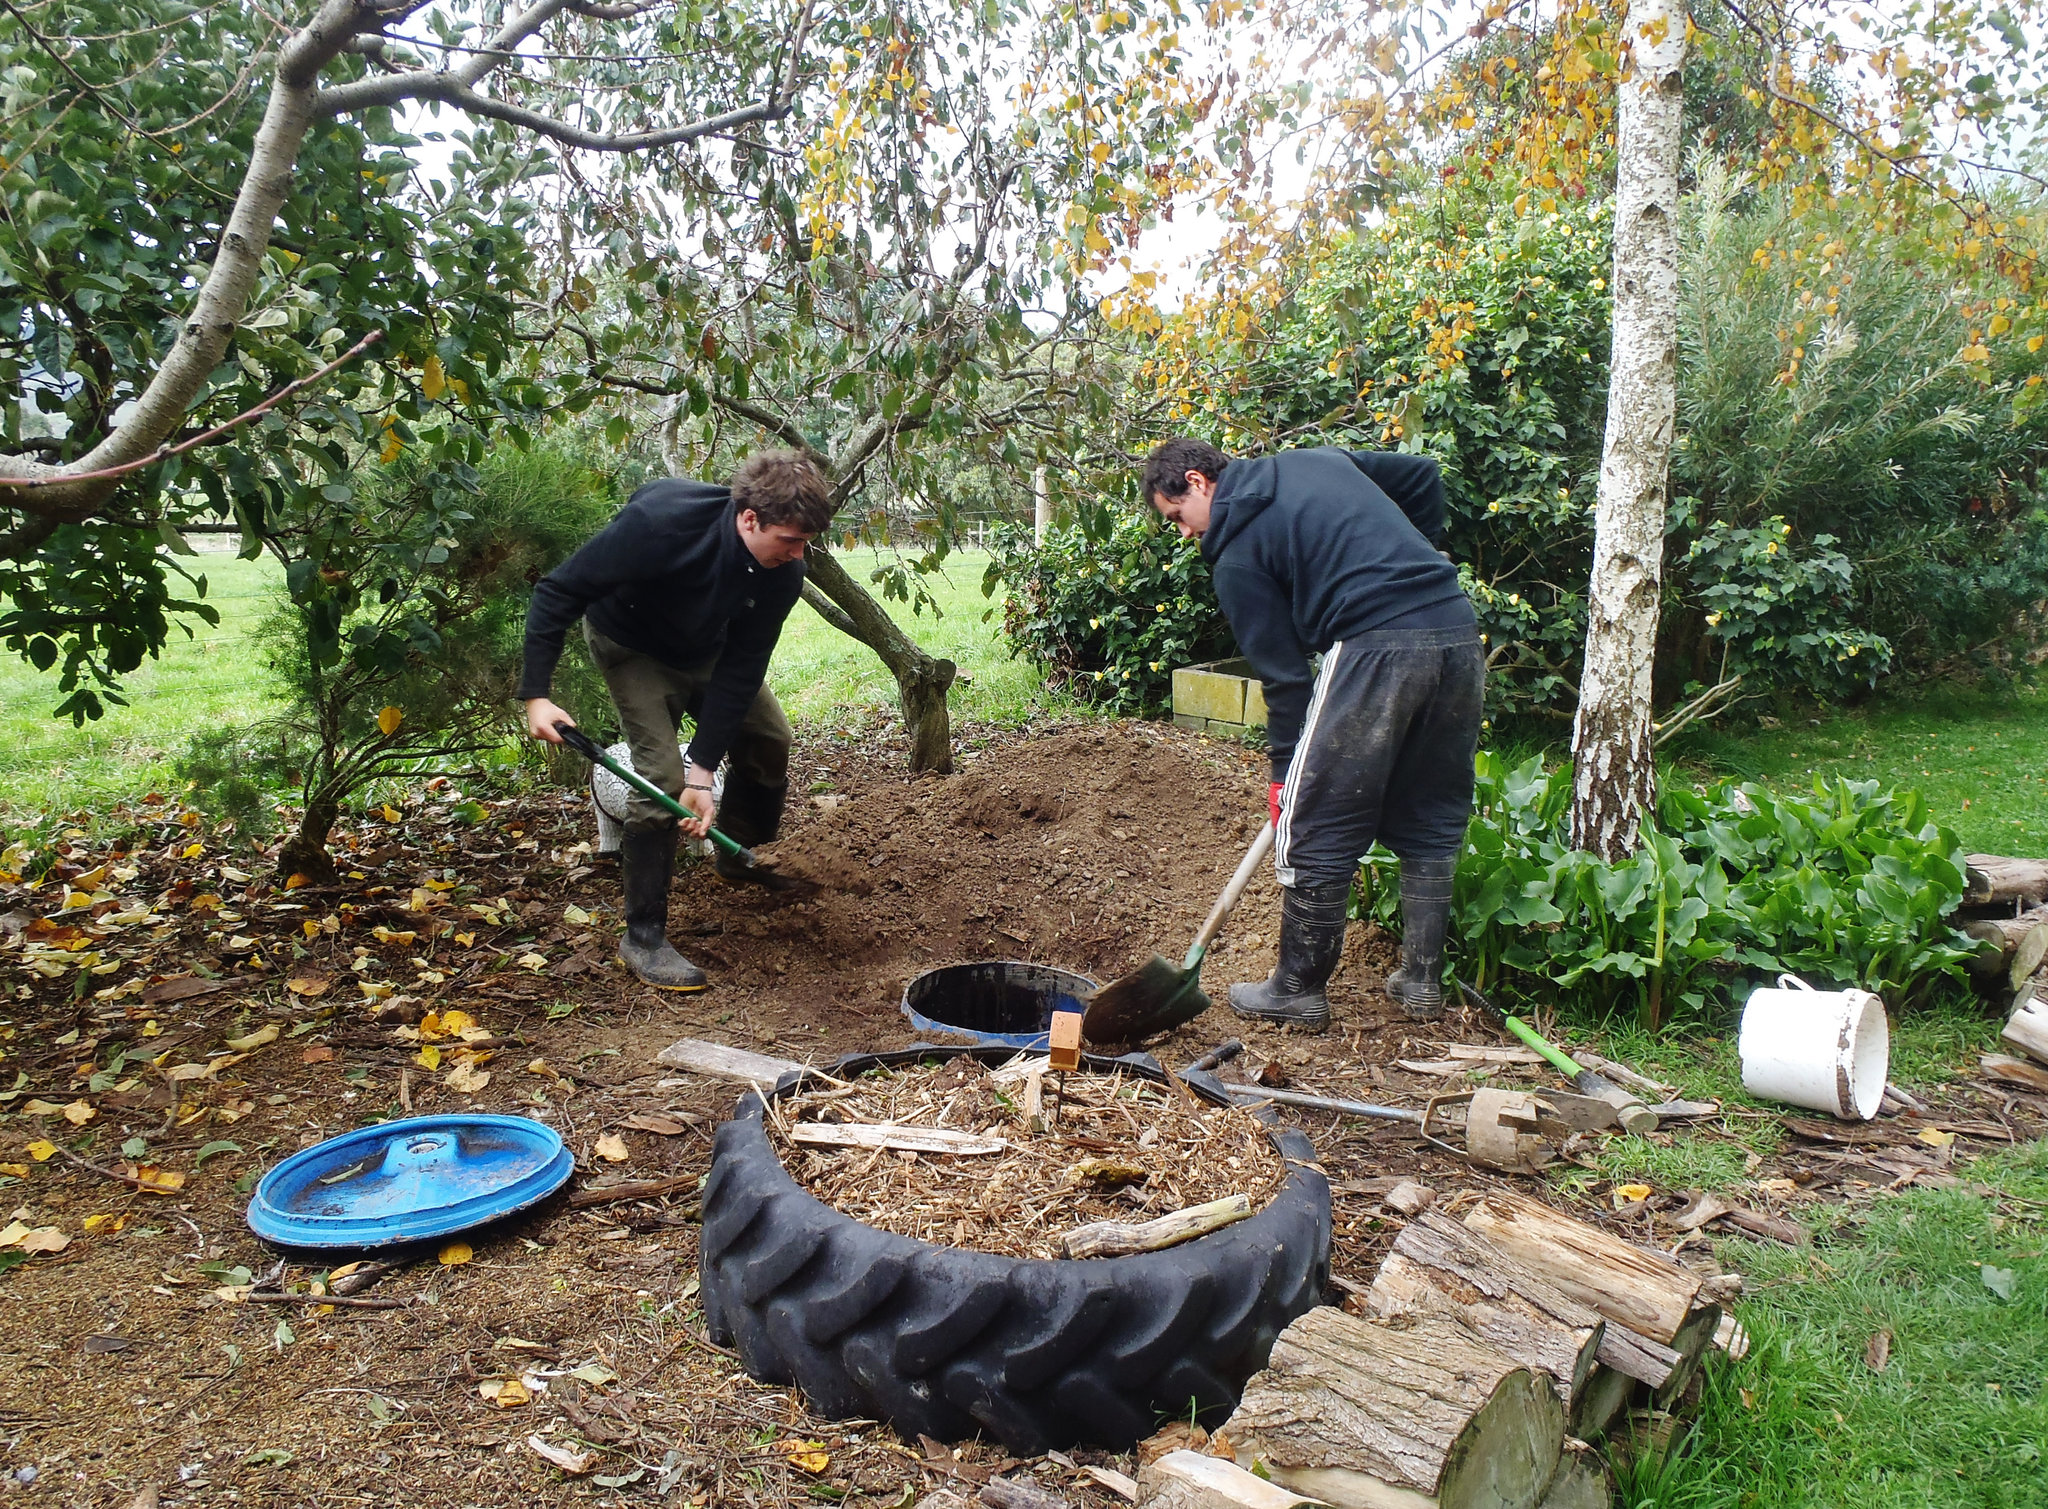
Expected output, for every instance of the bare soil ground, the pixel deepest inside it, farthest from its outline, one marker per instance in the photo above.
(135, 1359)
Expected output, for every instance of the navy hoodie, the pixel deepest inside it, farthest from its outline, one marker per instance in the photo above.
(1310, 547)
(670, 577)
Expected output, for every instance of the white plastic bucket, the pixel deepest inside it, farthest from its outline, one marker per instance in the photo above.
(1826, 1050)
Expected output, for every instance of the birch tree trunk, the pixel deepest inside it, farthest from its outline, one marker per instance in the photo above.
(1614, 780)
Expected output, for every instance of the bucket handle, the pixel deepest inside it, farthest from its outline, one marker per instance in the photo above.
(1789, 982)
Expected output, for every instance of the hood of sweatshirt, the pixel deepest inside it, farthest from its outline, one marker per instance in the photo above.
(1244, 491)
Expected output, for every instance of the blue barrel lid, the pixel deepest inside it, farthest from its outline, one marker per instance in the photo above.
(409, 1181)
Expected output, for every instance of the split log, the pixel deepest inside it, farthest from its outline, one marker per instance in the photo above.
(1120, 1238)
(2016, 1072)
(1603, 1401)
(1645, 1291)
(1363, 1416)
(2020, 943)
(1994, 878)
(1440, 1267)
(2027, 1030)
(1196, 1480)
(722, 1062)
(898, 1139)
(1581, 1482)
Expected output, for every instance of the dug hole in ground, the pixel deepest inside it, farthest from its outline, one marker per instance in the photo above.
(564, 1354)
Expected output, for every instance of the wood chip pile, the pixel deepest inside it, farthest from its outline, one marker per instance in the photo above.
(1114, 1148)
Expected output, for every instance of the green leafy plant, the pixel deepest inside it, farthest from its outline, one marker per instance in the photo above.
(1730, 884)
(1108, 618)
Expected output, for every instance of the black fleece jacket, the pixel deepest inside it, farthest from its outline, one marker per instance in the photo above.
(1313, 546)
(671, 577)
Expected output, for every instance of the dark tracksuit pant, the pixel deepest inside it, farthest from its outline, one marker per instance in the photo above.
(1385, 753)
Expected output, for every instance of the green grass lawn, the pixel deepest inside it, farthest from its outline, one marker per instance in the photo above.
(1981, 760)
(212, 679)
(820, 675)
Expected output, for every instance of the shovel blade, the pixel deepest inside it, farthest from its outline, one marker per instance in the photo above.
(1155, 997)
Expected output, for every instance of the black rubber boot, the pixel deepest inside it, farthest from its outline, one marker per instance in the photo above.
(647, 857)
(1417, 987)
(1311, 939)
(750, 813)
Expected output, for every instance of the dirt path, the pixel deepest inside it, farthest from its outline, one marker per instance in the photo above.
(136, 1358)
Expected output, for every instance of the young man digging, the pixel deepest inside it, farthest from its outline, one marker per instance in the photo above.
(1336, 551)
(682, 598)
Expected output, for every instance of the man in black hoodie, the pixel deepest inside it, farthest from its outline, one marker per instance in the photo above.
(1336, 552)
(682, 598)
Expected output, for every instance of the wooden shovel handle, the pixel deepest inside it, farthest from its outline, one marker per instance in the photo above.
(1253, 858)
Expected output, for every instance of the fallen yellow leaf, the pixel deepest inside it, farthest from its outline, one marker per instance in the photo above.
(389, 718)
(467, 940)
(808, 1456)
(575, 916)
(44, 1239)
(307, 985)
(78, 1113)
(254, 1040)
(612, 1148)
(42, 1108)
(467, 1078)
(456, 1253)
(94, 1223)
(1936, 1137)
(441, 885)
(390, 813)
(1628, 1194)
(14, 1170)
(294, 880)
(42, 1150)
(310, 928)
(429, 1057)
(506, 1393)
(156, 1181)
(455, 1023)
(193, 851)
(15, 1231)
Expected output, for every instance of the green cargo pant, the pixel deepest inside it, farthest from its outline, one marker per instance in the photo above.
(652, 699)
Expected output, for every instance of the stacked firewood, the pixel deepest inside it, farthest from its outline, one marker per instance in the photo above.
(2006, 907)
(1495, 1352)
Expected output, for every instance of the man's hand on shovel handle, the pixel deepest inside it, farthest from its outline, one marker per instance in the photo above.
(541, 718)
(696, 795)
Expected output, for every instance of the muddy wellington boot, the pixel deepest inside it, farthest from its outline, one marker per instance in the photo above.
(750, 813)
(1417, 987)
(647, 857)
(1311, 939)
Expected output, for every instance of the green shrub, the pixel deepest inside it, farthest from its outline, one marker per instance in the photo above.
(1109, 619)
(1730, 886)
(1831, 386)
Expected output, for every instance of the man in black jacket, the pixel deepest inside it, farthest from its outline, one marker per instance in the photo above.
(1336, 552)
(682, 598)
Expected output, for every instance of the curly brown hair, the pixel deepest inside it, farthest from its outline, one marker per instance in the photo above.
(784, 487)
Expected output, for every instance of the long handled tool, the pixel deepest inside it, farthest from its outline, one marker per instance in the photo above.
(1635, 1117)
(1492, 1136)
(1155, 996)
(589, 748)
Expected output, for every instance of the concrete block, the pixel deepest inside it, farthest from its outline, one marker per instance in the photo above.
(1221, 692)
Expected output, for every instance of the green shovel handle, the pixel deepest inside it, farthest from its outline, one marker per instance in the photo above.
(588, 747)
(1541, 1044)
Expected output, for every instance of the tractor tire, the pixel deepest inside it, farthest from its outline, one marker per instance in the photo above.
(951, 1343)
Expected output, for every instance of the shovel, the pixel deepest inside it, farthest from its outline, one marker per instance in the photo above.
(584, 745)
(1635, 1117)
(1156, 997)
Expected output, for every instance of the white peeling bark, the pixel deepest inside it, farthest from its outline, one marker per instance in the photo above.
(1614, 780)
